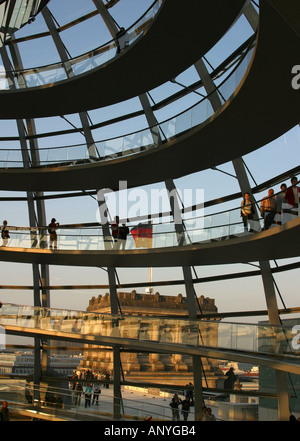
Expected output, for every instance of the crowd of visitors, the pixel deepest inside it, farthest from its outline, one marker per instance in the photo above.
(89, 388)
(185, 404)
(206, 414)
(274, 209)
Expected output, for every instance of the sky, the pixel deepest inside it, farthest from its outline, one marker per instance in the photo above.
(280, 155)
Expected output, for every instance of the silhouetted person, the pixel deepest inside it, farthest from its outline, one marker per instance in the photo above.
(4, 234)
(96, 393)
(120, 39)
(293, 418)
(123, 233)
(190, 394)
(4, 412)
(115, 232)
(88, 395)
(185, 408)
(52, 232)
(175, 407)
(230, 380)
(107, 377)
(78, 393)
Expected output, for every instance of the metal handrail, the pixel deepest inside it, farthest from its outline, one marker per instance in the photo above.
(158, 125)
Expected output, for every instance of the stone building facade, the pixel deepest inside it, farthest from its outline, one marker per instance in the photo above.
(147, 367)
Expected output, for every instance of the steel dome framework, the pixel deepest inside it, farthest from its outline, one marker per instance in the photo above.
(85, 88)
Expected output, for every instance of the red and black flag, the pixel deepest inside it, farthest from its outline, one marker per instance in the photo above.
(142, 235)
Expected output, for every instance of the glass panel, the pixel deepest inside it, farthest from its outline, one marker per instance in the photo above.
(138, 141)
(218, 226)
(52, 73)
(235, 336)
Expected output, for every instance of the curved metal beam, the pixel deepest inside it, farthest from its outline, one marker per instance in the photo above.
(276, 243)
(127, 75)
(263, 107)
(285, 364)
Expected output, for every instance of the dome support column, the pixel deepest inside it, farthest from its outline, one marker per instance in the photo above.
(110, 23)
(37, 217)
(92, 152)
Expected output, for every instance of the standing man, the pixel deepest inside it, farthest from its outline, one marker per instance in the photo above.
(115, 233)
(88, 395)
(123, 233)
(4, 234)
(52, 232)
(96, 393)
(230, 380)
(268, 209)
(185, 408)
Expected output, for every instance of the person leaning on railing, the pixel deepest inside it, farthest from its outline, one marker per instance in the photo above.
(268, 209)
(279, 201)
(119, 40)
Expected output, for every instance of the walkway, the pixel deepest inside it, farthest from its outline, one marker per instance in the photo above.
(276, 243)
(174, 31)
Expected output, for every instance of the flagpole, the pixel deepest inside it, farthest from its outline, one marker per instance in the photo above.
(149, 289)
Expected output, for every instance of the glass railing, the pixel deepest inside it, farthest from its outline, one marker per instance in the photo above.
(15, 15)
(214, 227)
(136, 142)
(45, 75)
(67, 404)
(218, 226)
(182, 334)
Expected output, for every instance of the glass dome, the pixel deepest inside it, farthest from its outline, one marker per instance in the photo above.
(68, 41)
